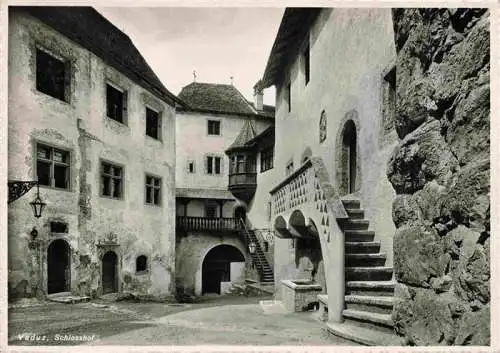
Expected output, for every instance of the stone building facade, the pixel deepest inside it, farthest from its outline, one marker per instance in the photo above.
(212, 252)
(91, 121)
(382, 169)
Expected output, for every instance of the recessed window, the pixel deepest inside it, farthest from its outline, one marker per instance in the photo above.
(288, 96)
(213, 127)
(52, 75)
(58, 227)
(210, 209)
(389, 100)
(153, 190)
(141, 264)
(153, 124)
(266, 159)
(213, 165)
(115, 103)
(111, 180)
(52, 166)
(190, 167)
(307, 63)
(289, 168)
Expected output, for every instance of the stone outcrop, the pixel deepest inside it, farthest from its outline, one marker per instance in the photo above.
(440, 172)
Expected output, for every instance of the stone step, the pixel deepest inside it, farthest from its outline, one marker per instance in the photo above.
(378, 288)
(355, 213)
(351, 204)
(364, 335)
(352, 260)
(359, 235)
(374, 304)
(376, 273)
(362, 247)
(68, 299)
(350, 223)
(374, 321)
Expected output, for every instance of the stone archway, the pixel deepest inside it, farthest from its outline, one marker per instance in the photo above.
(216, 267)
(109, 272)
(58, 267)
(348, 159)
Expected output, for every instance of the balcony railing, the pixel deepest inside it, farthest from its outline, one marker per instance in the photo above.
(204, 223)
(242, 179)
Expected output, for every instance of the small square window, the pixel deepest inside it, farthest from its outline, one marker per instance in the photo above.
(51, 75)
(115, 104)
(111, 180)
(153, 190)
(153, 124)
(213, 127)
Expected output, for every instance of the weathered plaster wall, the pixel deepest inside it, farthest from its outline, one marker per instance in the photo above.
(81, 127)
(196, 208)
(193, 143)
(350, 51)
(440, 171)
(190, 253)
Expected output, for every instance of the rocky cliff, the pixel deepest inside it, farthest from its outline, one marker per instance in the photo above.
(441, 173)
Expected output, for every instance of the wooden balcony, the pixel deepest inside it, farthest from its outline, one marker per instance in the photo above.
(243, 185)
(187, 223)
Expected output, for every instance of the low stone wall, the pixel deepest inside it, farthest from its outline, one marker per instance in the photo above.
(441, 174)
(298, 295)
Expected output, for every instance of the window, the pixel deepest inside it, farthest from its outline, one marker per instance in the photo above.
(213, 165)
(288, 96)
(52, 76)
(111, 180)
(153, 124)
(153, 190)
(389, 101)
(115, 103)
(141, 264)
(266, 246)
(52, 167)
(210, 209)
(58, 227)
(289, 168)
(190, 167)
(213, 127)
(266, 159)
(307, 63)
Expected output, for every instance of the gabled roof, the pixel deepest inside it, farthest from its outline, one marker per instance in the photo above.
(216, 98)
(293, 29)
(247, 133)
(88, 28)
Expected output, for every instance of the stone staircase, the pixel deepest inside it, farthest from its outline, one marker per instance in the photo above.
(266, 273)
(369, 292)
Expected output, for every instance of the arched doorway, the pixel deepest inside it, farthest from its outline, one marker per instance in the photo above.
(58, 267)
(109, 272)
(216, 267)
(348, 159)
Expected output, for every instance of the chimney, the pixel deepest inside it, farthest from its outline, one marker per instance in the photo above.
(258, 96)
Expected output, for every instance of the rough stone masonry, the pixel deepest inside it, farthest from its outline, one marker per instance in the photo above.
(441, 174)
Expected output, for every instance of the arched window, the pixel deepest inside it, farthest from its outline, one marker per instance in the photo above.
(349, 158)
(141, 264)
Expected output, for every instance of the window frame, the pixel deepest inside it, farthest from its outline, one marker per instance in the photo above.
(209, 204)
(124, 93)
(265, 153)
(159, 123)
(146, 267)
(191, 161)
(219, 122)
(122, 188)
(213, 156)
(52, 162)
(67, 72)
(154, 187)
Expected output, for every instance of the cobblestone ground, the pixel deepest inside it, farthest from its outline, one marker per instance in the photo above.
(214, 321)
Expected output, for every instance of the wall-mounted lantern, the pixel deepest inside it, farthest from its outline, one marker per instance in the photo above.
(252, 247)
(37, 204)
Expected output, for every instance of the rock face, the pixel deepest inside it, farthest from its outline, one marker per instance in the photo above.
(440, 172)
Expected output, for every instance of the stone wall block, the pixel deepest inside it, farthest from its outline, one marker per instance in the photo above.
(420, 256)
(473, 280)
(474, 328)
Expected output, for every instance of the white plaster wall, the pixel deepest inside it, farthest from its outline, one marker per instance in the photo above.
(36, 116)
(237, 272)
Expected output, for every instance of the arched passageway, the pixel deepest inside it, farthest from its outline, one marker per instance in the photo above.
(109, 272)
(216, 267)
(58, 267)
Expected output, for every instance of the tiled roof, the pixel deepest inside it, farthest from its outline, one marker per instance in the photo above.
(86, 27)
(217, 98)
(247, 133)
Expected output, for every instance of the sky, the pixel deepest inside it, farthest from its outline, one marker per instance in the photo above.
(215, 42)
